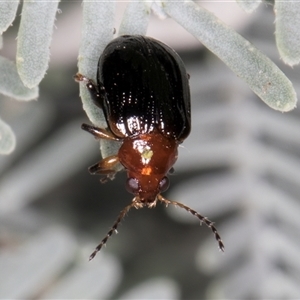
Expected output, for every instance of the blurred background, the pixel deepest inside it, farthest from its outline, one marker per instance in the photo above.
(239, 167)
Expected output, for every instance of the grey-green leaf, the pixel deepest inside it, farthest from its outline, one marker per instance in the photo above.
(34, 38)
(11, 84)
(248, 5)
(7, 138)
(287, 32)
(97, 32)
(8, 10)
(135, 19)
(260, 73)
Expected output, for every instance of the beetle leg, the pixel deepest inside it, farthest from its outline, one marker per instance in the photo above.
(99, 133)
(98, 95)
(105, 166)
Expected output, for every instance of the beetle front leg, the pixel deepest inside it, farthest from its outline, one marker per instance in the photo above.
(105, 167)
(98, 95)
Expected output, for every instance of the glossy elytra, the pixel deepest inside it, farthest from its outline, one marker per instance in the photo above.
(143, 89)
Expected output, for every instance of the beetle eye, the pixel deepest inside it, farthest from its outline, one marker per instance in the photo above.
(132, 185)
(164, 184)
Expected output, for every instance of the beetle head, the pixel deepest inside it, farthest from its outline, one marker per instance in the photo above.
(147, 159)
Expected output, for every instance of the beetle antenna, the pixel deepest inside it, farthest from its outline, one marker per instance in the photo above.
(114, 227)
(202, 219)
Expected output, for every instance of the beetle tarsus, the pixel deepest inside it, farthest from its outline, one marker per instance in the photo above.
(97, 91)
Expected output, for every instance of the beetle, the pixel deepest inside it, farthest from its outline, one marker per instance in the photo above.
(143, 89)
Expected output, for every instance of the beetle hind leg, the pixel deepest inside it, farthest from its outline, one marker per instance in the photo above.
(97, 91)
